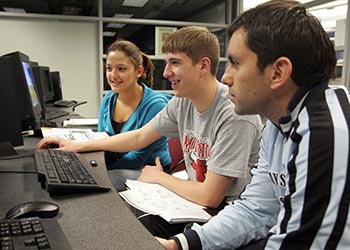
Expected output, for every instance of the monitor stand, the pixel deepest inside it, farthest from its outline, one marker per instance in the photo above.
(6, 149)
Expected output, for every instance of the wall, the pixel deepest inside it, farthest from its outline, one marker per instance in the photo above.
(65, 46)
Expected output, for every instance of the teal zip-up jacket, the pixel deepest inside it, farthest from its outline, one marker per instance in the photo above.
(152, 102)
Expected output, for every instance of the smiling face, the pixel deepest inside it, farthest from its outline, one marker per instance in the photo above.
(120, 71)
(248, 87)
(182, 73)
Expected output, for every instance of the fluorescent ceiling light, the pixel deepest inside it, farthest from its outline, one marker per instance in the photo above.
(118, 15)
(108, 33)
(116, 25)
(119, 25)
(17, 10)
(134, 3)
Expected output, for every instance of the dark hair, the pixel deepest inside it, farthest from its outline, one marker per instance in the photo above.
(285, 28)
(196, 42)
(137, 57)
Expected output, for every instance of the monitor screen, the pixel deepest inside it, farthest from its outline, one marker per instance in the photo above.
(31, 85)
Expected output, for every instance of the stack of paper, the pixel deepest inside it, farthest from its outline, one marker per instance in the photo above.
(90, 123)
(156, 199)
(73, 134)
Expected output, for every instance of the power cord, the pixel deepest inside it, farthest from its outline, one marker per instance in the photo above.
(143, 215)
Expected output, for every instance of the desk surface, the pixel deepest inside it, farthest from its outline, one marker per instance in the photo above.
(90, 221)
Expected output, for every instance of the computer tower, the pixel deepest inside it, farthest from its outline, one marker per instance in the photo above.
(10, 125)
(56, 82)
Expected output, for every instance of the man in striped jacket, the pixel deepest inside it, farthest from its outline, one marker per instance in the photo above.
(280, 63)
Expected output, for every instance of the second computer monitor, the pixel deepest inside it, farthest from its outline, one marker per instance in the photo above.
(44, 83)
(56, 83)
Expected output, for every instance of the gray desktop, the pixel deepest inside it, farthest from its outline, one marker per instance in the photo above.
(89, 220)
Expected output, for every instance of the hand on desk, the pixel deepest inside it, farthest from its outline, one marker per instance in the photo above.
(60, 143)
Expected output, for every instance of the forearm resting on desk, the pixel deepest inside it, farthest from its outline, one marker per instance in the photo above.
(202, 193)
(209, 193)
(123, 142)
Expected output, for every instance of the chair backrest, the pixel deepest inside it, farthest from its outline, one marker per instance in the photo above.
(176, 155)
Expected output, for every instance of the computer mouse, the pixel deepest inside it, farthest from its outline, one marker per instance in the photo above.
(42, 209)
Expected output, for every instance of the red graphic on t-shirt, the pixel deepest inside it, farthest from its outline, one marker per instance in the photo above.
(201, 169)
(198, 150)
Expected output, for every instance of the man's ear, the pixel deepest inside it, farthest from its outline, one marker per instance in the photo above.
(205, 65)
(281, 72)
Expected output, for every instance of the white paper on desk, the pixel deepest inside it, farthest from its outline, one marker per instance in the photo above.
(73, 134)
(156, 199)
(80, 122)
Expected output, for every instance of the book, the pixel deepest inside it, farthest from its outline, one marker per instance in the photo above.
(158, 200)
(73, 134)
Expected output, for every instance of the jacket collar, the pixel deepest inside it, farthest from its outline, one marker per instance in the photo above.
(302, 96)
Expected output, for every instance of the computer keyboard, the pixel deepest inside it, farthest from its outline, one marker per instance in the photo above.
(32, 233)
(67, 172)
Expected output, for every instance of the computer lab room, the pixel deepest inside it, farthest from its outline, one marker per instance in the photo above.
(53, 67)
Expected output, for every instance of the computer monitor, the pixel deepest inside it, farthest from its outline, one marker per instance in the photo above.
(21, 76)
(33, 64)
(56, 83)
(10, 125)
(43, 82)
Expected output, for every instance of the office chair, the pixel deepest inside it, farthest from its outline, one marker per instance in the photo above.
(176, 155)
